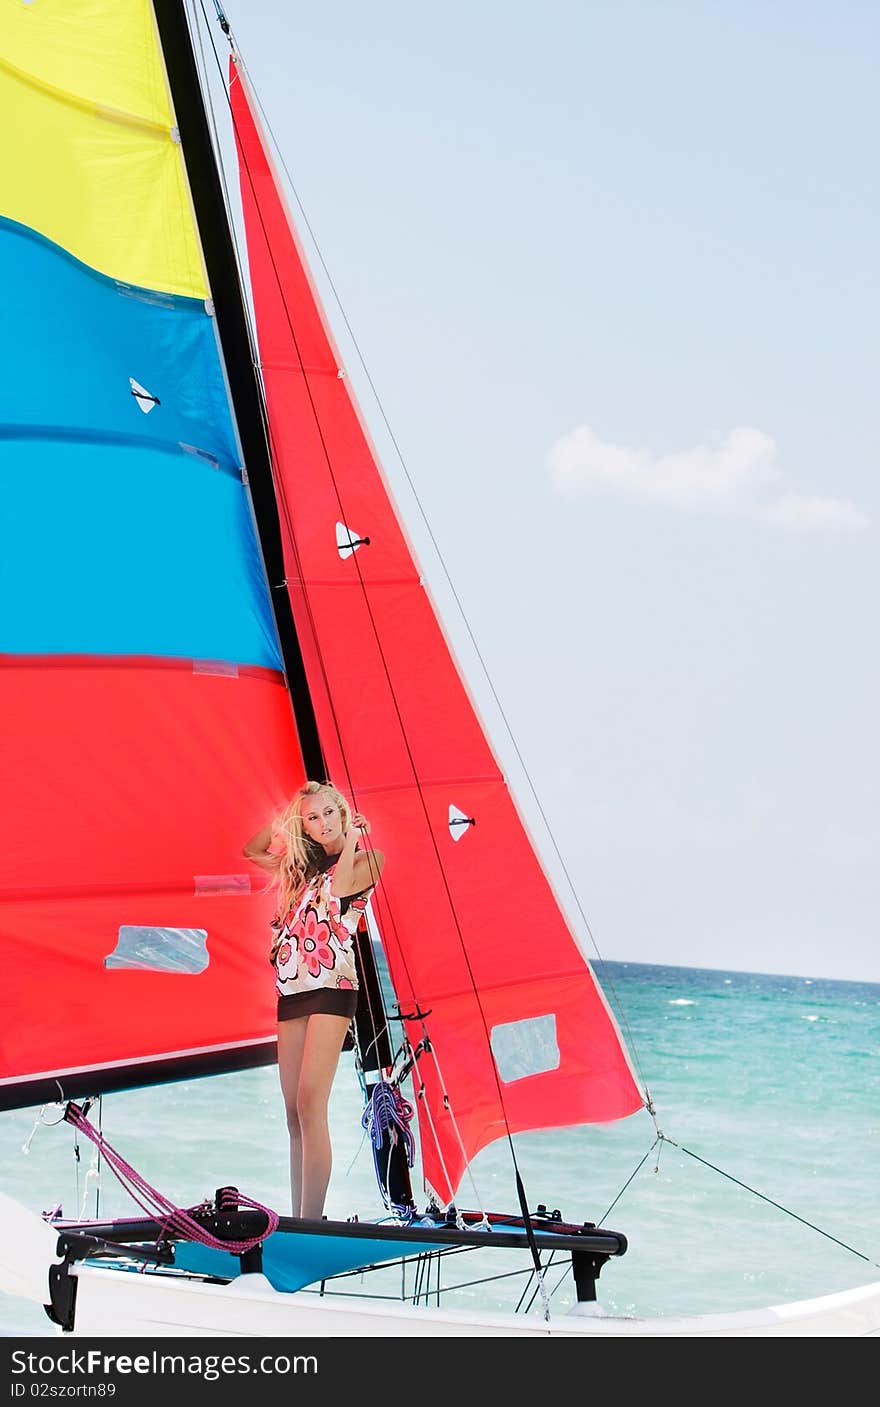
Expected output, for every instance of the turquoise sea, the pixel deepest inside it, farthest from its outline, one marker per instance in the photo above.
(761, 1084)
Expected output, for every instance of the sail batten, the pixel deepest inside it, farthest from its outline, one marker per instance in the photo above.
(74, 99)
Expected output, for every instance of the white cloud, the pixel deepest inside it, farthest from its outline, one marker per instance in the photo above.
(732, 478)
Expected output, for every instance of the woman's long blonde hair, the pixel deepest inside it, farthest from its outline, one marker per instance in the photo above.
(299, 861)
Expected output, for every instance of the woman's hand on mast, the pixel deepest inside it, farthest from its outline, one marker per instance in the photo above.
(356, 870)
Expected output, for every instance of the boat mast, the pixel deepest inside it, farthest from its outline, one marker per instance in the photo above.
(247, 397)
(232, 325)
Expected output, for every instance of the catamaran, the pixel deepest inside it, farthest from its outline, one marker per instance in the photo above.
(195, 505)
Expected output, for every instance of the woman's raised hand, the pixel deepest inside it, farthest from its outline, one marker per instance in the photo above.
(360, 823)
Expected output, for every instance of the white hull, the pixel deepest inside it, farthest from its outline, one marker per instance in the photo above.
(118, 1303)
(113, 1303)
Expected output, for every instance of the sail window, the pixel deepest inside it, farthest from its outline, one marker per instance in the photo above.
(526, 1047)
(145, 948)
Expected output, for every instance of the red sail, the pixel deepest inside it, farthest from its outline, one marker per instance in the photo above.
(131, 928)
(475, 938)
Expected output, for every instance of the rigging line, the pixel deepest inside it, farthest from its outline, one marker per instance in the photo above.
(418, 787)
(282, 497)
(379, 1022)
(495, 1279)
(371, 1049)
(379, 1026)
(98, 1162)
(152, 1201)
(635, 1172)
(383, 904)
(532, 1287)
(607, 979)
(425, 1114)
(554, 1260)
(427, 1118)
(221, 169)
(270, 437)
(425, 1110)
(395, 703)
(76, 1162)
(442, 561)
(764, 1198)
(445, 1253)
(415, 1259)
(530, 1235)
(369, 1060)
(199, 33)
(235, 344)
(366, 599)
(417, 1294)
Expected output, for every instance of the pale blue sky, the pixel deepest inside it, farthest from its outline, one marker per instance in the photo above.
(613, 271)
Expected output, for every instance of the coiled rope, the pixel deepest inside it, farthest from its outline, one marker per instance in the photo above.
(173, 1219)
(387, 1119)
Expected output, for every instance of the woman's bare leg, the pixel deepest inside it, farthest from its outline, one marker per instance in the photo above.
(319, 1059)
(291, 1042)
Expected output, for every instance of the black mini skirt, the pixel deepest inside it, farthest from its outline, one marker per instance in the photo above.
(328, 1001)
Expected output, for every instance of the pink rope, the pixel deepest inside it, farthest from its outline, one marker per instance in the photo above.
(159, 1207)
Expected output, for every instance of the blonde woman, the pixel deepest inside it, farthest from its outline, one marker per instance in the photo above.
(323, 881)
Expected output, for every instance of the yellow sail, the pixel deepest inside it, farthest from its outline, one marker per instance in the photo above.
(85, 112)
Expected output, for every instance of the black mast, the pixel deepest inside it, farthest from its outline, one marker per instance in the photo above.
(232, 325)
(247, 396)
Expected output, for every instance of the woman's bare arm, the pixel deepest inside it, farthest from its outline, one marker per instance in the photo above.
(365, 873)
(356, 870)
(257, 849)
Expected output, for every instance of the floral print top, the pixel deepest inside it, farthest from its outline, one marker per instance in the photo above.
(314, 944)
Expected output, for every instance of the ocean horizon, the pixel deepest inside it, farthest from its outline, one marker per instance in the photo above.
(753, 1183)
